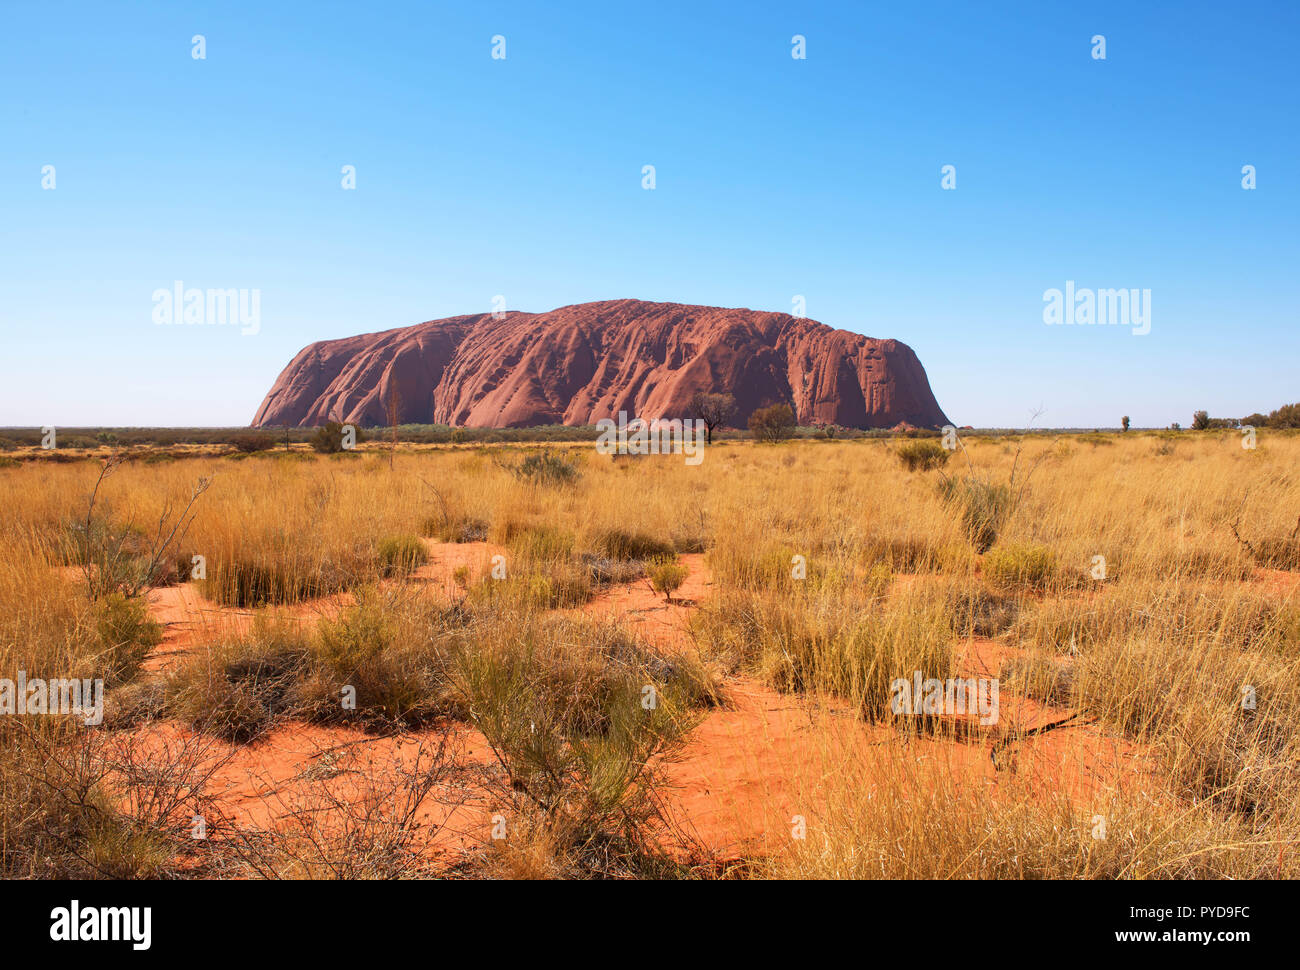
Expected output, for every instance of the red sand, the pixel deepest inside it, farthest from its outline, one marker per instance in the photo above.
(745, 771)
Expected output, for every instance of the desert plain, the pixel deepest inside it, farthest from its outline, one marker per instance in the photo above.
(535, 660)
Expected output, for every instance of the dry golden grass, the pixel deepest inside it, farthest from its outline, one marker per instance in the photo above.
(835, 569)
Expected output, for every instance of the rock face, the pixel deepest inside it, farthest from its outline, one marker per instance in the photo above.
(577, 364)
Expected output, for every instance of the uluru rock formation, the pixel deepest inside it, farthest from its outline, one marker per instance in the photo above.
(578, 364)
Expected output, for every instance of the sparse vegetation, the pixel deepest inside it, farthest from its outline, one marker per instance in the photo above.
(829, 572)
(923, 455)
(547, 468)
(666, 576)
(1020, 565)
(334, 437)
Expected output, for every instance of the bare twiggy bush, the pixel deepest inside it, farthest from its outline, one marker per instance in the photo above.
(83, 803)
(355, 814)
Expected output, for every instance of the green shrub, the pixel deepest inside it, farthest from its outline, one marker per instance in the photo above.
(547, 468)
(667, 575)
(328, 440)
(580, 717)
(126, 633)
(397, 668)
(772, 424)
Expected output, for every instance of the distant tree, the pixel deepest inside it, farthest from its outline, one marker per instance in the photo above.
(713, 409)
(1255, 420)
(772, 424)
(1200, 420)
(1175, 427)
(1124, 422)
(1287, 416)
(394, 408)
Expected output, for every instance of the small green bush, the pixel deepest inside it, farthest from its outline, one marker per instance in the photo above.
(547, 468)
(127, 633)
(667, 575)
(328, 440)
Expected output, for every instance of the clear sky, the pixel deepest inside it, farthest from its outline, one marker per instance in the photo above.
(775, 177)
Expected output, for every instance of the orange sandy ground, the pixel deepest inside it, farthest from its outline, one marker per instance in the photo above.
(745, 772)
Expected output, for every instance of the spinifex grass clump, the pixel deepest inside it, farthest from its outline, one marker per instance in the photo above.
(916, 554)
(535, 586)
(1020, 566)
(536, 542)
(579, 716)
(280, 568)
(829, 644)
(263, 580)
(458, 528)
(920, 821)
(982, 507)
(616, 543)
(382, 663)
(388, 657)
(1276, 551)
(400, 555)
(1232, 618)
(923, 455)
(240, 686)
(1222, 719)
(739, 564)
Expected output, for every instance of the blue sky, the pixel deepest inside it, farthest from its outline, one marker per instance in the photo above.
(775, 177)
